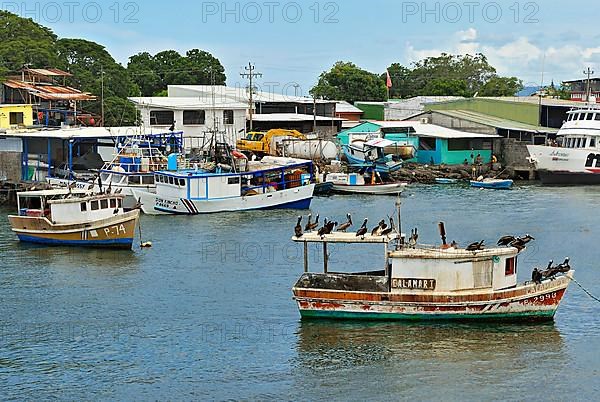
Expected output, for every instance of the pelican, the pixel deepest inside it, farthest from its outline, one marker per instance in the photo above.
(506, 240)
(363, 229)
(475, 246)
(345, 226)
(298, 228)
(390, 229)
(309, 223)
(313, 225)
(379, 228)
(323, 230)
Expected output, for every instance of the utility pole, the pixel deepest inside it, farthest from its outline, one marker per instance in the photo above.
(102, 95)
(589, 73)
(296, 87)
(251, 74)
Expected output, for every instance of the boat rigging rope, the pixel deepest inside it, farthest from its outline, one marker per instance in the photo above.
(585, 290)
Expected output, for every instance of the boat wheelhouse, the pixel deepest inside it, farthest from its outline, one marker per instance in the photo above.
(272, 183)
(74, 218)
(574, 158)
(421, 282)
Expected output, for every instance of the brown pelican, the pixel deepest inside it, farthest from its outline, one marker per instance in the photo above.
(363, 229)
(506, 240)
(345, 226)
(307, 227)
(475, 246)
(323, 230)
(313, 225)
(298, 228)
(390, 229)
(379, 228)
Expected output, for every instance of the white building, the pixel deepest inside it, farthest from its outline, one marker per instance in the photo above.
(195, 116)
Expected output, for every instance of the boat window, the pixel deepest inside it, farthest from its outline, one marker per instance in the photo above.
(104, 204)
(83, 206)
(511, 266)
(590, 116)
(170, 180)
(581, 116)
(113, 202)
(593, 142)
(134, 180)
(233, 180)
(182, 182)
(570, 117)
(95, 205)
(120, 203)
(147, 179)
(597, 116)
(162, 117)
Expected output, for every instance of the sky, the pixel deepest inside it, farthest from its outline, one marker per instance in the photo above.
(292, 42)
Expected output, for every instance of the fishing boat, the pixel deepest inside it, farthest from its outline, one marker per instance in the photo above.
(66, 217)
(132, 167)
(574, 158)
(372, 155)
(271, 183)
(443, 180)
(354, 183)
(495, 184)
(427, 282)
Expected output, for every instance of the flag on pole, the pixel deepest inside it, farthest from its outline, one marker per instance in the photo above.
(389, 80)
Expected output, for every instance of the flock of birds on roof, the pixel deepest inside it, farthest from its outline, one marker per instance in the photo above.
(330, 226)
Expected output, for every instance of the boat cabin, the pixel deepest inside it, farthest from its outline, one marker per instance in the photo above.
(580, 131)
(413, 269)
(68, 207)
(267, 176)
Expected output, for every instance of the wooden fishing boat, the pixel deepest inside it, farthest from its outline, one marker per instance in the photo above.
(495, 184)
(371, 154)
(67, 217)
(354, 183)
(421, 282)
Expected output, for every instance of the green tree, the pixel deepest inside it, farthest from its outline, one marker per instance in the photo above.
(346, 81)
(23, 41)
(501, 86)
(446, 87)
(154, 73)
(402, 81)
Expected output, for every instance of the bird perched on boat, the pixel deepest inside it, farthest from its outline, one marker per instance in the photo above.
(345, 226)
(475, 246)
(312, 226)
(363, 229)
(390, 229)
(506, 240)
(118, 191)
(521, 242)
(454, 244)
(379, 228)
(536, 276)
(416, 235)
(91, 187)
(298, 228)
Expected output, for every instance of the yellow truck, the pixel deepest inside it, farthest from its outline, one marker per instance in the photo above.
(263, 143)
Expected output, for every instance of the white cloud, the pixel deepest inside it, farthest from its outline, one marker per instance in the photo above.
(519, 57)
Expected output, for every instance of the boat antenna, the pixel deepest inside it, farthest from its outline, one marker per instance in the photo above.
(398, 210)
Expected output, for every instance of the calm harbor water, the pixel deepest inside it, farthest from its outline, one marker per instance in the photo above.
(207, 312)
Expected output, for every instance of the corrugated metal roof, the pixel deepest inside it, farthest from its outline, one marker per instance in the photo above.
(81, 132)
(50, 92)
(49, 72)
(495, 122)
(291, 117)
(431, 130)
(345, 107)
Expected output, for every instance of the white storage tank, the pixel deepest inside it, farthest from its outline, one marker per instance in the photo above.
(310, 149)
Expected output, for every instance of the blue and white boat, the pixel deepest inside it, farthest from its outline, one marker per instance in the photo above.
(272, 183)
(495, 184)
(372, 155)
(443, 180)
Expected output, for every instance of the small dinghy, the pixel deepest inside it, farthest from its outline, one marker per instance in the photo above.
(496, 184)
(443, 180)
(355, 183)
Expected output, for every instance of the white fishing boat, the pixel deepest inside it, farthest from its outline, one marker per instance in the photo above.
(354, 183)
(132, 167)
(427, 282)
(574, 158)
(272, 183)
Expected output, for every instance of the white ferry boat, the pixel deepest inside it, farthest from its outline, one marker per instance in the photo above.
(272, 183)
(575, 157)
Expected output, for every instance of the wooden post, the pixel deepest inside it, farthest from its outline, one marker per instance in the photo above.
(305, 257)
(325, 257)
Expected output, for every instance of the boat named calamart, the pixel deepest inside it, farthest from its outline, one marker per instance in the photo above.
(420, 282)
